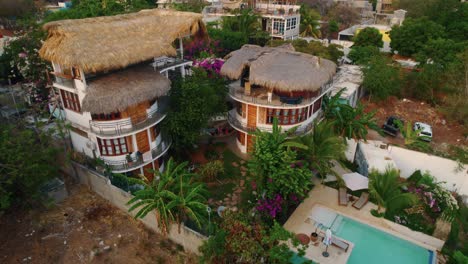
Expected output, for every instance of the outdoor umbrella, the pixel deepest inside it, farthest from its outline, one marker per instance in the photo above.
(355, 181)
(327, 242)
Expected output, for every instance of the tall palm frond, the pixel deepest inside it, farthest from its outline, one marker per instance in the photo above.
(386, 190)
(322, 146)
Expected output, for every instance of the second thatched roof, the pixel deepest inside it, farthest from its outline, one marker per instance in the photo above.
(119, 90)
(113, 42)
(279, 68)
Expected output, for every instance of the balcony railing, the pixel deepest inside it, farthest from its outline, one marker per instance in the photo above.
(125, 126)
(65, 80)
(135, 162)
(261, 98)
(164, 63)
(240, 125)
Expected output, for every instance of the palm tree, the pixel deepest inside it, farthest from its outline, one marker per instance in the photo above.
(350, 122)
(168, 192)
(309, 22)
(189, 202)
(323, 146)
(386, 190)
(269, 149)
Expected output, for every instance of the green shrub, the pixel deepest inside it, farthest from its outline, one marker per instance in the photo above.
(211, 154)
(415, 177)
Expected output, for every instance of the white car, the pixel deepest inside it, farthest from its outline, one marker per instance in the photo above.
(425, 131)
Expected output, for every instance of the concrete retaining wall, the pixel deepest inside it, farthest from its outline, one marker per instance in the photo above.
(189, 239)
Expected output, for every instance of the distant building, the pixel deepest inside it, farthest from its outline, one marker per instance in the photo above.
(349, 33)
(275, 83)
(112, 74)
(280, 19)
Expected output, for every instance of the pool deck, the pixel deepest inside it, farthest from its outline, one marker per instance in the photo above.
(324, 196)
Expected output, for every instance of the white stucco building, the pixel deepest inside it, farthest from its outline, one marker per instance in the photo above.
(112, 79)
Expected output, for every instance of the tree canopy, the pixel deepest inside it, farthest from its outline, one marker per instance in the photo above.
(95, 8)
(27, 160)
(369, 36)
(193, 101)
(411, 37)
(380, 78)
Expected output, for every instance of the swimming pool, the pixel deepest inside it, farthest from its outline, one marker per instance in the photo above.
(374, 246)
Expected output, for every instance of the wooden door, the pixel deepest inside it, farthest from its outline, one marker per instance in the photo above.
(142, 141)
(250, 143)
(147, 171)
(252, 116)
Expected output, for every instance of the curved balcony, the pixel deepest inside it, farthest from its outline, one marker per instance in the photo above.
(124, 165)
(123, 127)
(260, 97)
(240, 125)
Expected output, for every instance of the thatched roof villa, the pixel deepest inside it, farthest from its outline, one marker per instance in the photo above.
(275, 82)
(111, 74)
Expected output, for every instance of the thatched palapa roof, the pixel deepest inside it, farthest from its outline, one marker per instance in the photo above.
(119, 90)
(112, 42)
(279, 68)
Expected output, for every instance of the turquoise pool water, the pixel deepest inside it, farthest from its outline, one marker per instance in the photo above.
(374, 246)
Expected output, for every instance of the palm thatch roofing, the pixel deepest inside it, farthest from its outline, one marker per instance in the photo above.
(119, 90)
(280, 68)
(112, 42)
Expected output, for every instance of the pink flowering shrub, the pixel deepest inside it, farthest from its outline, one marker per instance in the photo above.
(211, 65)
(271, 207)
(201, 49)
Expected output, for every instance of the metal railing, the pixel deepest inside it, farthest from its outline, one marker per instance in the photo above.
(238, 93)
(126, 164)
(67, 82)
(240, 125)
(122, 127)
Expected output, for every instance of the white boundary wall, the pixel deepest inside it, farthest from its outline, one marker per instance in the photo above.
(189, 239)
(444, 170)
(454, 175)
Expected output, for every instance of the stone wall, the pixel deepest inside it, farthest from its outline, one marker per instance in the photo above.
(188, 238)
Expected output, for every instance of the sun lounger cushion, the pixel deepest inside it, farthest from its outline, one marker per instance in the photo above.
(342, 196)
(339, 243)
(361, 201)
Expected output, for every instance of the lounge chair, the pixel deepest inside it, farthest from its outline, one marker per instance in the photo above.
(361, 201)
(342, 197)
(339, 243)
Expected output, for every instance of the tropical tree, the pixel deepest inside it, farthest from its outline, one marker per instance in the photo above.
(363, 55)
(242, 238)
(349, 122)
(193, 100)
(381, 79)
(28, 159)
(411, 37)
(272, 163)
(309, 22)
(323, 146)
(171, 195)
(412, 138)
(385, 189)
(369, 36)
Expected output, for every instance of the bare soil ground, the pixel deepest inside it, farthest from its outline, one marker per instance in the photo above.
(444, 132)
(83, 229)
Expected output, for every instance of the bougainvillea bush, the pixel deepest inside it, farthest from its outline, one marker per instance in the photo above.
(198, 49)
(434, 202)
(211, 65)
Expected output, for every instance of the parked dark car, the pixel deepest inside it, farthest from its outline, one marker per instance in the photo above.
(390, 127)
